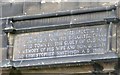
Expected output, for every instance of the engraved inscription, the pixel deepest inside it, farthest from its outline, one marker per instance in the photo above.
(62, 42)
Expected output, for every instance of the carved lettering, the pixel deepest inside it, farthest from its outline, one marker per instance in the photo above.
(62, 42)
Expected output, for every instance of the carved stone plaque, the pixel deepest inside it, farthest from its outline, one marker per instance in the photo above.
(61, 43)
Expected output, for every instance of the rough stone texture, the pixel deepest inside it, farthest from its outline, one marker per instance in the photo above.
(118, 48)
(31, 8)
(13, 8)
(118, 39)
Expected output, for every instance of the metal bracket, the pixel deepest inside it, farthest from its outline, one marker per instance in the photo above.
(113, 20)
(9, 28)
(98, 68)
